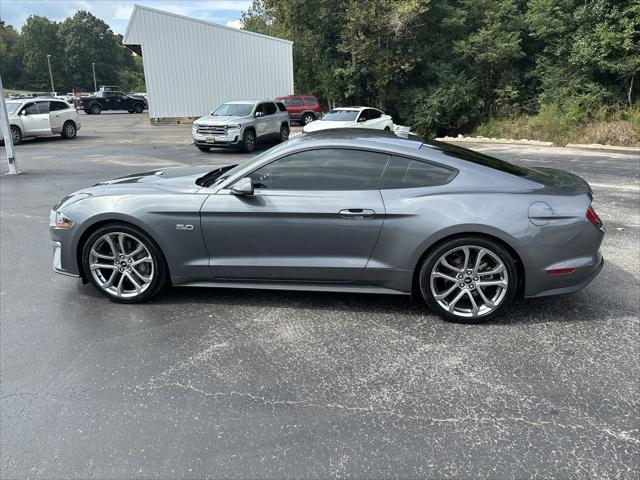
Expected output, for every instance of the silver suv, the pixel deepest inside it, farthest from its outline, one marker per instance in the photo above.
(241, 124)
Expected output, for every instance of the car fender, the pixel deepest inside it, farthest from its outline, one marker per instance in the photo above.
(471, 229)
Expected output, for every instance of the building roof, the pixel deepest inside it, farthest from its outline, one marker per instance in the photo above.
(138, 8)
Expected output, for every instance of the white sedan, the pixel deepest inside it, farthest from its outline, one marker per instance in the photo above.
(37, 117)
(352, 117)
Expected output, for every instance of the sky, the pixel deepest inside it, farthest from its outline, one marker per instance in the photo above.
(116, 13)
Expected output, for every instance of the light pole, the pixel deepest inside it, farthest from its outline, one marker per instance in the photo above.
(50, 74)
(93, 67)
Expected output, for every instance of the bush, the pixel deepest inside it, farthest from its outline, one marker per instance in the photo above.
(562, 126)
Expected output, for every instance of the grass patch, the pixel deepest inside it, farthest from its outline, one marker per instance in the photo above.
(620, 127)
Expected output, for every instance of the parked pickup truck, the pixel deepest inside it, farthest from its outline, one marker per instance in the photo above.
(111, 100)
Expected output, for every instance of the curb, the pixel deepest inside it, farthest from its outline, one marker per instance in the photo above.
(598, 146)
(495, 140)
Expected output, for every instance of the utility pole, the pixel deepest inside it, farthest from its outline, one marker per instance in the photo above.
(93, 67)
(8, 136)
(50, 74)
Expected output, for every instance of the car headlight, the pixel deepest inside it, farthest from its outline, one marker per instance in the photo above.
(233, 127)
(59, 220)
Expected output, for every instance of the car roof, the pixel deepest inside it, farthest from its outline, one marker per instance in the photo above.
(249, 102)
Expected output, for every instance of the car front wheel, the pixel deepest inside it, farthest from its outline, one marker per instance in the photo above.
(124, 263)
(284, 133)
(249, 141)
(138, 108)
(16, 135)
(95, 109)
(468, 280)
(307, 118)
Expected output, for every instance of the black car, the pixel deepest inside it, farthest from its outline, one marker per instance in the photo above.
(112, 101)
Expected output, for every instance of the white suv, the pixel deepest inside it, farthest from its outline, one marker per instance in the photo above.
(37, 117)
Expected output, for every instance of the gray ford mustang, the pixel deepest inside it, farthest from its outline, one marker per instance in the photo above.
(339, 210)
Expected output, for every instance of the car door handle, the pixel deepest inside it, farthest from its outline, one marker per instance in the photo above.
(357, 213)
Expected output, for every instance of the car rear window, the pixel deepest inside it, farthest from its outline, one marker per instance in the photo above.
(411, 173)
(481, 159)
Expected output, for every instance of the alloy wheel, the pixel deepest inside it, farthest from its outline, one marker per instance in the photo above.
(15, 134)
(121, 264)
(69, 130)
(469, 281)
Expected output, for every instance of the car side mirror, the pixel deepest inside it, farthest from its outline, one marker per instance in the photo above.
(362, 119)
(23, 112)
(259, 114)
(244, 186)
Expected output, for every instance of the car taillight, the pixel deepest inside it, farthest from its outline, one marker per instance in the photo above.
(593, 217)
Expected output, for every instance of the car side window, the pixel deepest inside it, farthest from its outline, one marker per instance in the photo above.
(410, 173)
(30, 109)
(53, 106)
(322, 169)
(297, 102)
(260, 108)
(270, 108)
(373, 113)
(364, 115)
(311, 101)
(281, 106)
(43, 107)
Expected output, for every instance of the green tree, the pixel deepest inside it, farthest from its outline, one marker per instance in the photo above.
(39, 37)
(10, 54)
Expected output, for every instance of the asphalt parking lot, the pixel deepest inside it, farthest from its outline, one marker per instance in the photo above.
(251, 384)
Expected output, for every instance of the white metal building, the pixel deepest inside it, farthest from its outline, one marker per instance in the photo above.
(191, 66)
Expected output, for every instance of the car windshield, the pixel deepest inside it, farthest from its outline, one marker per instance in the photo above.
(341, 116)
(233, 110)
(12, 107)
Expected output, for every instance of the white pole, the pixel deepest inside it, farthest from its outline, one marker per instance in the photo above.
(6, 131)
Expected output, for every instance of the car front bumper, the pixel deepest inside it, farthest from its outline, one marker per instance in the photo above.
(231, 137)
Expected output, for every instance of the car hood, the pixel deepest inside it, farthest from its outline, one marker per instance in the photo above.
(163, 180)
(327, 124)
(217, 120)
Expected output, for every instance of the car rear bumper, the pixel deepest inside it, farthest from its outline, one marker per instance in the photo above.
(574, 281)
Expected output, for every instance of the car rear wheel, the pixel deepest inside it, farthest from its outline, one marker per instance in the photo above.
(95, 109)
(308, 118)
(69, 130)
(468, 280)
(203, 148)
(124, 263)
(138, 108)
(248, 141)
(16, 135)
(284, 133)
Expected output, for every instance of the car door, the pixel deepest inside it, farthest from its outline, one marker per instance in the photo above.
(375, 119)
(33, 121)
(262, 121)
(57, 115)
(296, 107)
(273, 120)
(313, 216)
(363, 118)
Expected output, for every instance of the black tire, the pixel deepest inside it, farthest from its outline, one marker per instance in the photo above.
(248, 141)
(160, 277)
(69, 130)
(203, 148)
(473, 241)
(387, 129)
(95, 109)
(307, 118)
(138, 108)
(16, 133)
(284, 133)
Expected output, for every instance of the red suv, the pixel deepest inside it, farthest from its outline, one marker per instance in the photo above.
(302, 108)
